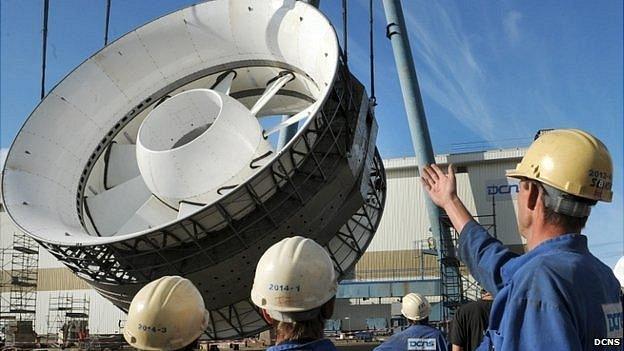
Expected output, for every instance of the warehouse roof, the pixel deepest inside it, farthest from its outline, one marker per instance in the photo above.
(460, 158)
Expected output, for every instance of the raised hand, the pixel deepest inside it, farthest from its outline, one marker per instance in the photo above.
(440, 187)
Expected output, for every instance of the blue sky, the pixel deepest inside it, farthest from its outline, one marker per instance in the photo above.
(492, 73)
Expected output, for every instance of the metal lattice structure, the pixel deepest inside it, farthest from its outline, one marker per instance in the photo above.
(274, 58)
(69, 315)
(24, 272)
(18, 284)
(459, 289)
(5, 284)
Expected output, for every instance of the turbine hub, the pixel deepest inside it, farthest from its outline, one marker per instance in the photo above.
(196, 142)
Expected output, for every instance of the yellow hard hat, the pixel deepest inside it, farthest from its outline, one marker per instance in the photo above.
(166, 314)
(415, 307)
(294, 278)
(571, 161)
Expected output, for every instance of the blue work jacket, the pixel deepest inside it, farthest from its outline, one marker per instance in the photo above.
(557, 296)
(417, 337)
(316, 345)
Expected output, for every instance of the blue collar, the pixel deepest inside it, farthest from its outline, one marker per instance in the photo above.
(322, 344)
(565, 242)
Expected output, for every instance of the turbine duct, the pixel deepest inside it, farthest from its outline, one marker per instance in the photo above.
(155, 156)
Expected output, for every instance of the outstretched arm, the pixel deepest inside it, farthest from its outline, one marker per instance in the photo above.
(483, 254)
(443, 192)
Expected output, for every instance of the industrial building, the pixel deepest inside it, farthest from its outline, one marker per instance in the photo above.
(401, 258)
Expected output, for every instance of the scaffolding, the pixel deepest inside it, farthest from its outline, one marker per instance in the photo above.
(5, 284)
(458, 286)
(24, 270)
(19, 281)
(68, 318)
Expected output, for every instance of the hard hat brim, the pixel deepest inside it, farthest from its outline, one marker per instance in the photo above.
(514, 173)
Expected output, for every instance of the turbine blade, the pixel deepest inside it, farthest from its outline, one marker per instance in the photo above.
(272, 88)
(224, 83)
(121, 164)
(110, 209)
(187, 208)
(292, 120)
(152, 213)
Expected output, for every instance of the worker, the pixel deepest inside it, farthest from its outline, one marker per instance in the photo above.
(295, 288)
(557, 296)
(470, 323)
(420, 335)
(166, 314)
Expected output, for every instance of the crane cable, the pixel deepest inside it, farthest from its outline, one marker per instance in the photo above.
(46, 6)
(108, 7)
(345, 30)
(373, 99)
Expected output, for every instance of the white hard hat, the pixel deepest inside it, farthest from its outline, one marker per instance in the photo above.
(166, 314)
(293, 279)
(618, 270)
(415, 307)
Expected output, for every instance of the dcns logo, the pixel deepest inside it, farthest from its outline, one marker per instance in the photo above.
(608, 342)
(417, 344)
(501, 189)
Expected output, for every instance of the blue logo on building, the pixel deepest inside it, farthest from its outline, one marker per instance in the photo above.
(501, 189)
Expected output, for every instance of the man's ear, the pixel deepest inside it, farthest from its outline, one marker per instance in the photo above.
(534, 196)
(328, 308)
(266, 316)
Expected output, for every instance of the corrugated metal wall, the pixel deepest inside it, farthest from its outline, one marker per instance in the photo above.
(51, 279)
(397, 265)
(357, 314)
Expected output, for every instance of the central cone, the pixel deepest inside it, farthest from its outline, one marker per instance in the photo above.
(195, 143)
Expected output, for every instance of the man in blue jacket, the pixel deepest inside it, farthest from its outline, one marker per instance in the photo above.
(557, 296)
(419, 336)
